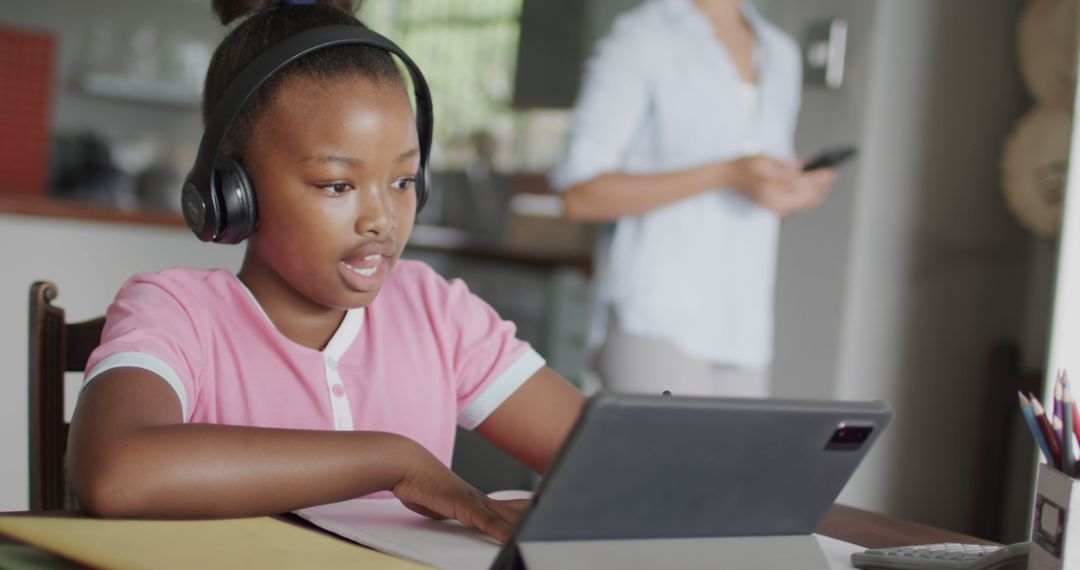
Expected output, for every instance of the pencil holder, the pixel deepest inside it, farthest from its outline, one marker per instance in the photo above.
(1055, 539)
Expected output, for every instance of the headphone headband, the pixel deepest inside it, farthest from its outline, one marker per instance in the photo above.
(199, 202)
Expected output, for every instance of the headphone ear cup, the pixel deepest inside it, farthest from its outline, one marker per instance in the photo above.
(237, 198)
(200, 211)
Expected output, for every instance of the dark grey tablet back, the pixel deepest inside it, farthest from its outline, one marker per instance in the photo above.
(671, 467)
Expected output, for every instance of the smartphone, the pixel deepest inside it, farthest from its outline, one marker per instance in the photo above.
(830, 158)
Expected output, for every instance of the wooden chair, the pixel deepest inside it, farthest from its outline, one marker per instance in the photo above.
(56, 347)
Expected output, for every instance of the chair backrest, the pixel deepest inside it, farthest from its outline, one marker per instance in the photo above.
(56, 347)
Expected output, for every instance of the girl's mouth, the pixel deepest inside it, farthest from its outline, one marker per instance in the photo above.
(368, 267)
(363, 274)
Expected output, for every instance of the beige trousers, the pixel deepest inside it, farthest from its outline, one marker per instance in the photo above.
(631, 363)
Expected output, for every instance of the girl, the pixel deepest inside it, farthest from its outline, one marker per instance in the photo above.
(326, 368)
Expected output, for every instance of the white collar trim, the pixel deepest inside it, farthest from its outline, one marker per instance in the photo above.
(344, 335)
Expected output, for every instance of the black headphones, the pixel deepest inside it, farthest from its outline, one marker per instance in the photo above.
(218, 199)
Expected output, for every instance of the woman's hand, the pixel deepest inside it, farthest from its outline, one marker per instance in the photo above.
(815, 186)
(780, 185)
(433, 490)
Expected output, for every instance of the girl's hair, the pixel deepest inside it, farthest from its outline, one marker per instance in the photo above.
(269, 22)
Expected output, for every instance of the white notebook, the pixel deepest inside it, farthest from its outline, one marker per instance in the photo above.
(388, 526)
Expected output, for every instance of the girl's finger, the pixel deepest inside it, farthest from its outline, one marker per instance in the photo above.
(509, 511)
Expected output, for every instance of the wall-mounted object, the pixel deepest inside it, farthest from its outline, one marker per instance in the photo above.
(1035, 160)
(1046, 46)
(145, 63)
(1034, 168)
(823, 53)
(26, 80)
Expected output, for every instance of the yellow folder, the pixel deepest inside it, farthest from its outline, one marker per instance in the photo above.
(229, 543)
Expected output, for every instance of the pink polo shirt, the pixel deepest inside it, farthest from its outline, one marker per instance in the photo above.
(425, 355)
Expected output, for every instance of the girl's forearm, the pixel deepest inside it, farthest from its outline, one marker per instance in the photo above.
(199, 470)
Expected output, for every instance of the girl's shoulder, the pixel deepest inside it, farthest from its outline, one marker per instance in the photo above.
(413, 269)
(411, 277)
(416, 285)
(184, 278)
(188, 287)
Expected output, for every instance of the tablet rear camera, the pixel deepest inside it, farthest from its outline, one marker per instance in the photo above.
(848, 437)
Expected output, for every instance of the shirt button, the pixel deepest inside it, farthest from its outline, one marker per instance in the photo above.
(331, 363)
(338, 390)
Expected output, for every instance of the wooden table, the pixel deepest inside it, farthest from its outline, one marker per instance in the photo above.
(873, 530)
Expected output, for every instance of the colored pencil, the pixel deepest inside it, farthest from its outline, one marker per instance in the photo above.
(1068, 458)
(1057, 399)
(1029, 417)
(1047, 430)
(1075, 409)
(1058, 425)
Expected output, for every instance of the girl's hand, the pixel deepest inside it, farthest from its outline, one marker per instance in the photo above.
(433, 490)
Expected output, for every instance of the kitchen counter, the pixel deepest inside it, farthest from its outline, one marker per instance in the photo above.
(517, 248)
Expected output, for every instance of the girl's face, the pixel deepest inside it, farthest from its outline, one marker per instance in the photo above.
(333, 164)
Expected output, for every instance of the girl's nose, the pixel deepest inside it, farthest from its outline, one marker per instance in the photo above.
(375, 212)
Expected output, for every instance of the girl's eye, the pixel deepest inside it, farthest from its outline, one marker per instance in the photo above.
(404, 183)
(336, 187)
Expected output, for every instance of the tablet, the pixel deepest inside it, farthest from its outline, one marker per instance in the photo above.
(638, 466)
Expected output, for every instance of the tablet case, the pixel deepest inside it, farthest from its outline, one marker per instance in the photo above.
(661, 467)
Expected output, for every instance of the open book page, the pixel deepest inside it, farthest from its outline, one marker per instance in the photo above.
(837, 552)
(389, 526)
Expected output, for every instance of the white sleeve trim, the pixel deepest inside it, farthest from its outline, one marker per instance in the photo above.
(146, 362)
(500, 389)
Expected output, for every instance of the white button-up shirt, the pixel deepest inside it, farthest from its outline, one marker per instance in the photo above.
(660, 94)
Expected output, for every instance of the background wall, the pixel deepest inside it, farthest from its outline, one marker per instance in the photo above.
(898, 285)
(938, 268)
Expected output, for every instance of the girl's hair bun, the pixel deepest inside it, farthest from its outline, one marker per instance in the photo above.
(229, 11)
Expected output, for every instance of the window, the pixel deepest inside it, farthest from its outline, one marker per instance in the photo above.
(467, 50)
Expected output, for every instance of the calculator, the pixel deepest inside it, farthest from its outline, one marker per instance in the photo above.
(948, 555)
